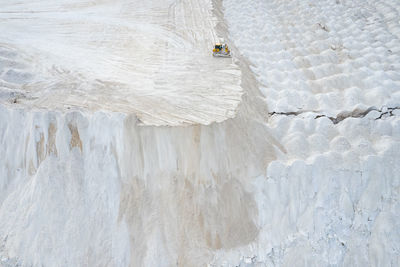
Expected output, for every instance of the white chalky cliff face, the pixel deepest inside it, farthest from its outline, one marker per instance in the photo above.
(123, 142)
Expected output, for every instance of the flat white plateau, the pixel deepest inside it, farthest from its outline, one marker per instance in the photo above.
(108, 55)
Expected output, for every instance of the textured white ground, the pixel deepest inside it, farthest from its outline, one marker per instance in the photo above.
(321, 56)
(151, 58)
(332, 197)
(302, 170)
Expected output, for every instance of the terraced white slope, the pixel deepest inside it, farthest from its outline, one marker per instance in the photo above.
(150, 58)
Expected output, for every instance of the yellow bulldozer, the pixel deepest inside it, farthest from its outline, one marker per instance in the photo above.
(221, 50)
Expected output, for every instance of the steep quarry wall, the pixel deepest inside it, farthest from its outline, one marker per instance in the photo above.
(111, 192)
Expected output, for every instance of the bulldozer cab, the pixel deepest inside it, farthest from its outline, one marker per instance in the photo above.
(221, 50)
(218, 46)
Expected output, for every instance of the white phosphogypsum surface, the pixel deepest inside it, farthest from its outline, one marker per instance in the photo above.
(82, 188)
(150, 58)
(330, 74)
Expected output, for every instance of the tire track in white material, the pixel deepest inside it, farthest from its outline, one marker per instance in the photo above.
(150, 58)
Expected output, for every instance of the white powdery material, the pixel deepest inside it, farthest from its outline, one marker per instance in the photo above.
(153, 59)
(82, 189)
(60, 198)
